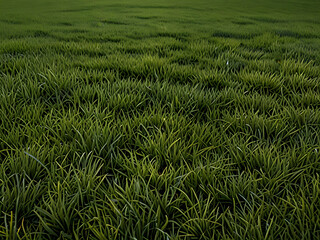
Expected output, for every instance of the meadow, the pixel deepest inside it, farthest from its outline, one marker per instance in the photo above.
(159, 119)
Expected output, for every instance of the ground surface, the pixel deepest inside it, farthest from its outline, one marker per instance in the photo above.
(159, 119)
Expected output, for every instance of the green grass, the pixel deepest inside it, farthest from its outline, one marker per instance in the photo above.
(159, 119)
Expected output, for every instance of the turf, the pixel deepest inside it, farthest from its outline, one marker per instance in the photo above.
(159, 119)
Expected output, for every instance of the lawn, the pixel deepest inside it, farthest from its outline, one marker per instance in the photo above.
(164, 119)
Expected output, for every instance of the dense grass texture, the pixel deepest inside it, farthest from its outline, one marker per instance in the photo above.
(159, 119)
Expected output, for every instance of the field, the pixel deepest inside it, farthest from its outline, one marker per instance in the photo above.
(159, 119)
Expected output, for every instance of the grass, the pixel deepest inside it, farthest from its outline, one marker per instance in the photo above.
(159, 120)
